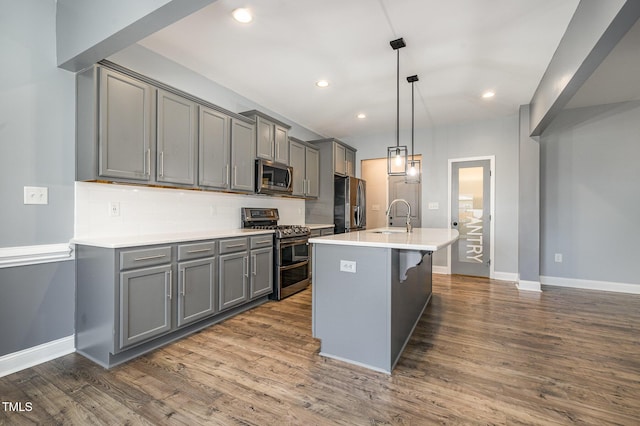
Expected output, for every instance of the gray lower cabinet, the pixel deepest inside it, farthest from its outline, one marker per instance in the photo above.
(261, 272)
(132, 300)
(177, 139)
(234, 274)
(196, 290)
(145, 304)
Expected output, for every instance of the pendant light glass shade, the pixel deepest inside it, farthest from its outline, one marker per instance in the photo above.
(397, 160)
(413, 168)
(413, 172)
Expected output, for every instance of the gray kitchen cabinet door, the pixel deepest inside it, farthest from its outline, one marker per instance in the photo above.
(312, 172)
(339, 160)
(233, 277)
(265, 137)
(215, 146)
(243, 149)
(196, 290)
(176, 139)
(350, 160)
(145, 304)
(281, 145)
(126, 110)
(261, 272)
(297, 161)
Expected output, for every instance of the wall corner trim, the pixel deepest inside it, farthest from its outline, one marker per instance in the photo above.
(20, 360)
(529, 285)
(32, 255)
(443, 270)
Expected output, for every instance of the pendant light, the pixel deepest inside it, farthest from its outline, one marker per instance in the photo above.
(413, 174)
(397, 155)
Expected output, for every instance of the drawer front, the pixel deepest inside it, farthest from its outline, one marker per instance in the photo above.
(233, 245)
(145, 257)
(327, 231)
(260, 241)
(196, 250)
(314, 233)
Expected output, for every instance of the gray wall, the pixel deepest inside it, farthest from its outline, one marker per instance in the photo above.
(37, 133)
(437, 145)
(37, 148)
(529, 202)
(37, 305)
(590, 198)
(150, 64)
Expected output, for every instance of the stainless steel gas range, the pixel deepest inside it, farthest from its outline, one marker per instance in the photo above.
(291, 250)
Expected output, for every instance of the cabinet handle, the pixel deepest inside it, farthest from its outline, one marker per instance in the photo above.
(226, 174)
(235, 174)
(263, 241)
(253, 264)
(162, 164)
(245, 266)
(184, 282)
(198, 250)
(236, 245)
(148, 163)
(170, 283)
(157, 256)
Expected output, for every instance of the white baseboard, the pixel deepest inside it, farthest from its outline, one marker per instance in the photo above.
(36, 355)
(444, 270)
(591, 284)
(505, 276)
(529, 285)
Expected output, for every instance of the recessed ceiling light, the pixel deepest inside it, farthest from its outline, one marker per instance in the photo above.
(242, 15)
(322, 83)
(361, 115)
(488, 94)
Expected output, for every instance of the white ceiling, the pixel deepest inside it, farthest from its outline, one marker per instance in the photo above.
(458, 48)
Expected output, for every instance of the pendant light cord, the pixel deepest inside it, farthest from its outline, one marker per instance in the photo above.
(412, 120)
(398, 99)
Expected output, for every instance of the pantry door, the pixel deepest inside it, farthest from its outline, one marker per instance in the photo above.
(471, 216)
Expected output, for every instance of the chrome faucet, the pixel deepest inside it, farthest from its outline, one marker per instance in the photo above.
(401, 200)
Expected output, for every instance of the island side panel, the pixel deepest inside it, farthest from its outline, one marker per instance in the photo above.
(410, 294)
(352, 310)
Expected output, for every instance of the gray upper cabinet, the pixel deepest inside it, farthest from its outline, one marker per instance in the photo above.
(177, 141)
(126, 139)
(243, 149)
(305, 161)
(215, 149)
(272, 137)
(339, 160)
(350, 161)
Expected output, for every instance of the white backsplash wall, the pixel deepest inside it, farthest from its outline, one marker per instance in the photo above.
(144, 210)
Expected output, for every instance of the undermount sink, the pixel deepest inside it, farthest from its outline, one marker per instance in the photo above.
(388, 231)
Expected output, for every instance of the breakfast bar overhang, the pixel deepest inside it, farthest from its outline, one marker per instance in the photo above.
(370, 289)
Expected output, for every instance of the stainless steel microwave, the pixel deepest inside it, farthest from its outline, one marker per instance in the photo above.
(273, 178)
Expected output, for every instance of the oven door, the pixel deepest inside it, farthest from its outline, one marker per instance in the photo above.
(292, 261)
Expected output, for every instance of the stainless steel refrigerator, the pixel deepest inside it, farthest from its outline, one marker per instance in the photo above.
(349, 203)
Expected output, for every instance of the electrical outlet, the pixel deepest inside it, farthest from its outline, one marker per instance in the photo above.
(36, 195)
(114, 209)
(348, 266)
(558, 257)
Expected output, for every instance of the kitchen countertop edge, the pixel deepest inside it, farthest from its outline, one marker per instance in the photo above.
(428, 239)
(169, 238)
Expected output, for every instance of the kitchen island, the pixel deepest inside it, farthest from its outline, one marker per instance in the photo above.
(370, 289)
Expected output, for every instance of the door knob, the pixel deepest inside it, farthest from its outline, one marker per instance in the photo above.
(454, 223)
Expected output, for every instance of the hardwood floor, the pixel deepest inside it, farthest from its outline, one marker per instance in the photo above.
(483, 353)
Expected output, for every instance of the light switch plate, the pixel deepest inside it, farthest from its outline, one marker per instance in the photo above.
(434, 206)
(36, 195)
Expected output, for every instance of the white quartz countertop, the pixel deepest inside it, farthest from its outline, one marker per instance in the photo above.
(313, 226)
(428, 239)
(169, 238)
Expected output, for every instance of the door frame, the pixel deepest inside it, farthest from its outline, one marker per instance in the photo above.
(492, 203)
